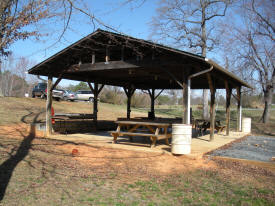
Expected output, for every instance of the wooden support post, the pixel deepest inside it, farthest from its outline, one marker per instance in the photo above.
(57, 82)
(128, 107)
(228, 98)
(96, 90)
(153, 102)
(95, 101)
(129, 93)
(185, 116)
(49, 107)
(152, 97)
(188, 101)
(239, 118)
(212, 106)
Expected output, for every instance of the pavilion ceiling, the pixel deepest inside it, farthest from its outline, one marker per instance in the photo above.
(114, 59)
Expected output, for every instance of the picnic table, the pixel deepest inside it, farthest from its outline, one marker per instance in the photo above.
(156, 131)
(201, 125)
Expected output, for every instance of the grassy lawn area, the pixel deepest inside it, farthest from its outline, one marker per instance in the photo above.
(40, 171)
(16, 110)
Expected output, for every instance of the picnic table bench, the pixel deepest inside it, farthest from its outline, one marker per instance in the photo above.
(201, 125)
(156, 131)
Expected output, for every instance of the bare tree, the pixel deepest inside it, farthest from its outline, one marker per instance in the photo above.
(13, 80)
(20, 20)
(6, 76)
(254, 47)
(190, 23)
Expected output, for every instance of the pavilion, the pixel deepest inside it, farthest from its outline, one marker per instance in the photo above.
(107, 58)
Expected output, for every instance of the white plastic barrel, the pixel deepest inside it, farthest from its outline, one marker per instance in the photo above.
(246, 125)
(181, 138)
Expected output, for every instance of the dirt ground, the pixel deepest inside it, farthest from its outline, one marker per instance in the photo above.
(129, 163)
(95, 156)
(39, 171)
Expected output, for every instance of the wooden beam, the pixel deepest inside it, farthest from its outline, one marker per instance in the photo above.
(228, 98)
(212, 106)
(112, 65)
(101, 87)
(222, 78)
(56, 82)
(49, 107)
(91, 87)
(150, 93)
(173, 77)
(236, 97)
(158, 94)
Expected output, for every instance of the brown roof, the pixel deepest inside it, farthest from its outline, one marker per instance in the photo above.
(132, 62)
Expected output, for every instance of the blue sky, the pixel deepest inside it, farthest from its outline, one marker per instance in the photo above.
(131, 19)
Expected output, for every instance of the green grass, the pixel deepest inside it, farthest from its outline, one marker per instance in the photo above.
(16, 110)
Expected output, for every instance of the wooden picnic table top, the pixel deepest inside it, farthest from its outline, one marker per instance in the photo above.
(143, 123)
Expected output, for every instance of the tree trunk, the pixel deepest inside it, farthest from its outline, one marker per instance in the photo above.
(268, 94)
(205, 113)
(267, 102)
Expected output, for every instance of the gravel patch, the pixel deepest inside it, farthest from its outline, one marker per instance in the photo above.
(259, 148)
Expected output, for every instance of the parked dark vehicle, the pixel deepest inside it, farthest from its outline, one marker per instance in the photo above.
(69, 96)
(40, 90)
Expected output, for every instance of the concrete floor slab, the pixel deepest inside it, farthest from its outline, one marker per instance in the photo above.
(199, 146)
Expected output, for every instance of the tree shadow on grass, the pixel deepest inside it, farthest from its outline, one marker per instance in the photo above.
(7, 167)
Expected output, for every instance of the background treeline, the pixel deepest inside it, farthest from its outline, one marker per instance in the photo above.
(115, 95)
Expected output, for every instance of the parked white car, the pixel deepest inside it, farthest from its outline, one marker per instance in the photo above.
(85, 95)
(69, 96)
